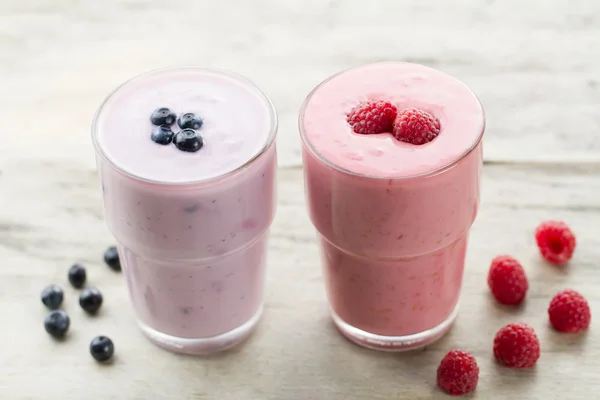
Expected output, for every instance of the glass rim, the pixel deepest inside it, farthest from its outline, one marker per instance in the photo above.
(438, 170)
(272, 111)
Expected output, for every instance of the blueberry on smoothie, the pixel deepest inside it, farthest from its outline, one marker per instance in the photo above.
(90, 299)
(102, 348)
(52, 296)
(57, 323)
(189, 121)
(188, 140)
(163, 116)
(77, 276)
(162, 134)
(111, 258)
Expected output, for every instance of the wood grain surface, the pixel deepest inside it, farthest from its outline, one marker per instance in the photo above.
(534, 66)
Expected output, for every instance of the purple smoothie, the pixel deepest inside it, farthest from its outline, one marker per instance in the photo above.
(192, 227)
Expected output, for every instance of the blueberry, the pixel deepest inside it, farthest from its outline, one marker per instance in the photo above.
(52, 296)
(188, 140)
(162, 134)
(102, 348)
(163, 116)
(111, 258)
(57, 323)
(77, 276)
(189, 121)
(90, 299)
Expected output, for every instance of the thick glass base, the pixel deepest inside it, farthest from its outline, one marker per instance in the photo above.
(394, 343)
(202, 346)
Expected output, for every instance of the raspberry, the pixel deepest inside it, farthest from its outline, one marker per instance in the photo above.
(517, 346)
(416, 126)
(507, 280)
(569, 312)
(373, 116)
(458, 373)
(555, 241)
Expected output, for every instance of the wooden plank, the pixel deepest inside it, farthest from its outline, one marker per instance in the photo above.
(296, 354)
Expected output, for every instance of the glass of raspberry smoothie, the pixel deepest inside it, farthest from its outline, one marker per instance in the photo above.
(186, 157)
(392, 160)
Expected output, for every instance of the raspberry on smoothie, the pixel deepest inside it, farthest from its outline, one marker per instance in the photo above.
(374, 116)
(416, 126)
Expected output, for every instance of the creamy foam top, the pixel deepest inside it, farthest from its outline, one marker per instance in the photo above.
(405, 85)
(237, 125)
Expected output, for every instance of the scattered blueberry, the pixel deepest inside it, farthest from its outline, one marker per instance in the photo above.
(52, 296)
(163, 116)
(189, 121)
(102, 348)
(188, 140)
(57, 323)
(162, 134)
(90, 299)
(77, 276)
(111, 258)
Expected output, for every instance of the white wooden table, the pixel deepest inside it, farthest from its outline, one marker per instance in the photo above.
(533, 64)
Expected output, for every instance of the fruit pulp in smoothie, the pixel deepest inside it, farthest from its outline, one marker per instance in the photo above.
(191, 224)
(393, 217)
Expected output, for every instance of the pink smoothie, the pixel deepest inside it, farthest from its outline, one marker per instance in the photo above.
(192, 227)
(393, 217)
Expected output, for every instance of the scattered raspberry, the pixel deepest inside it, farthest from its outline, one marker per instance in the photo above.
(517, 346)
(555, 241)
(507, 280)
(373, 116)
(458, 373)
(569, 312)
(416, 126)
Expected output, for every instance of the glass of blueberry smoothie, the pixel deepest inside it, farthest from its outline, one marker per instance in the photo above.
(392, 159)
(186, 158)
